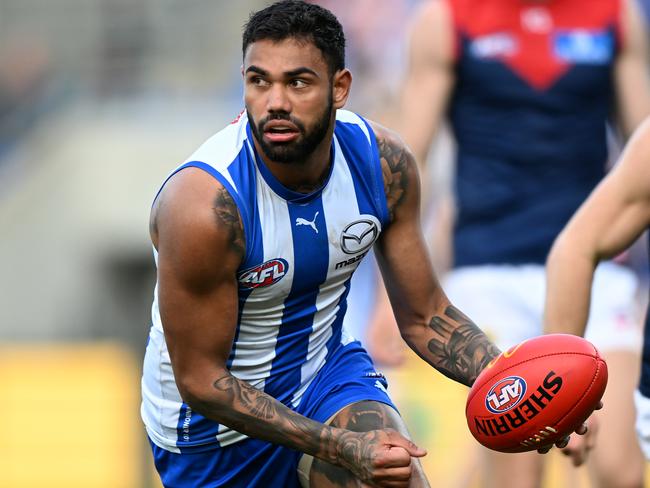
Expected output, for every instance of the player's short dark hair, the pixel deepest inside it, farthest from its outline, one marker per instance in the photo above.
(298, 19)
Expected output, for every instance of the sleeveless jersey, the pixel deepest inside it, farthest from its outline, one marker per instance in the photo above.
(301, 251)
(529, 111)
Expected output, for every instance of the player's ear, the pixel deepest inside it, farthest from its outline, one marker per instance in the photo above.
(341, 83)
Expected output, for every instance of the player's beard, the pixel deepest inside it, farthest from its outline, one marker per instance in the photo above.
(296, 151)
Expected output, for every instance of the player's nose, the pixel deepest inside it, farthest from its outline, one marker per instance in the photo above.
(277, 100)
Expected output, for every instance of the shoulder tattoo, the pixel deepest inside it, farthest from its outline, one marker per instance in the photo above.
(394, 167)
(227, 216)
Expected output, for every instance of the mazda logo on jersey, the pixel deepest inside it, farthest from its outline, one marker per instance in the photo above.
(359, 236)
(265, 274)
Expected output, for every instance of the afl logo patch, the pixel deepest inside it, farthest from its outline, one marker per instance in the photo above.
(505, 394)
(265, 274)
(359, 236)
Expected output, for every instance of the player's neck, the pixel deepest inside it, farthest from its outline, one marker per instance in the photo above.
(305, 175)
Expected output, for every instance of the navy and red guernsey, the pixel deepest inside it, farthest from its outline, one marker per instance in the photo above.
(533, 94)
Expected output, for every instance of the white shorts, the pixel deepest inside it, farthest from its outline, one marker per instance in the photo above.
(642, 404)
(507, 302)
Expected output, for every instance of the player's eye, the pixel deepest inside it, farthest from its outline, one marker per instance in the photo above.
(298, 83)
(258, 81)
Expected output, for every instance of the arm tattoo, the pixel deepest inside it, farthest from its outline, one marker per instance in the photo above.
(366, 416)
(260, 406)
(394, 167)
(254, 413)
(462, 349)
(228, 216)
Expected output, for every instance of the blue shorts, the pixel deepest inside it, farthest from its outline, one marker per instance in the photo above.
(348, 377)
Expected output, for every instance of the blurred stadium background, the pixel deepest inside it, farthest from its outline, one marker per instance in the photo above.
(99, 99)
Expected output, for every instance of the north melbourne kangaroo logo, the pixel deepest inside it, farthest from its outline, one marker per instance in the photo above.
(312, 224)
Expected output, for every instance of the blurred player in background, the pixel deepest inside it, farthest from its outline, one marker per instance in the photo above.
(528, 87)
(612, 218)
(249, 377)
(369, 29)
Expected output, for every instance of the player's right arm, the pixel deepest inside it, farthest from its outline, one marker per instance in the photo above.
(197, 231)
(424, 94)
(608, 222)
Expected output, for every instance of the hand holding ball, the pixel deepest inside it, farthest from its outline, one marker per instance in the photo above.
(536, 393)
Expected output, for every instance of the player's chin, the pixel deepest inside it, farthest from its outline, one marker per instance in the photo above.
(281, 152)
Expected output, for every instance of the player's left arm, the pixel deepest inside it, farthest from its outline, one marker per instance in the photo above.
(429, 323)
(609, 221)
(631, 76)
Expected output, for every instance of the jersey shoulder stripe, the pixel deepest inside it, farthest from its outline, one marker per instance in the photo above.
(364, 161)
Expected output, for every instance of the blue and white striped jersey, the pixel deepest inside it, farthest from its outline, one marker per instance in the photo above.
(301, 251)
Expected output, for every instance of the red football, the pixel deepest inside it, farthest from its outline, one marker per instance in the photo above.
(535, 393)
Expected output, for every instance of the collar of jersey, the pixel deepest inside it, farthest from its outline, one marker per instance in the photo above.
(281, 190)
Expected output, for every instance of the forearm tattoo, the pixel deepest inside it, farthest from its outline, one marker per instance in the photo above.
(254, 413)
(461, 350)
(227, 216)
(394, 166)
